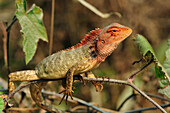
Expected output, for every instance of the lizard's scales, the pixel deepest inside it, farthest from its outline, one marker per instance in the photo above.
(57, 65)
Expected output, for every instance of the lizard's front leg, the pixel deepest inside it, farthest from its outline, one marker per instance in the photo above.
(68, 86)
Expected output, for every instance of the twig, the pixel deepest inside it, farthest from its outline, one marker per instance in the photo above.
(131, 77)
(7, 44)
(158, 97)
(75, 100)
(8, 37)
(52, 28)
(4, 43)
(97, 12)
(151, 95)
(5, 91)
(97, 80)
(129, 84)
(146, 109)
(12, 22)
(147, 97)
(22, 109)
(137, 61)
(129, 97)
(18, 89)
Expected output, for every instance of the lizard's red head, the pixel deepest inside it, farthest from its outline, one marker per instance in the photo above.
(110, 37)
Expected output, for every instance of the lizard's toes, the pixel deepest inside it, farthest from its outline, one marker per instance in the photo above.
(66, 92)
(97, 84)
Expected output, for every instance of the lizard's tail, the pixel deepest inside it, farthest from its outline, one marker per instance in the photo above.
(26, 75)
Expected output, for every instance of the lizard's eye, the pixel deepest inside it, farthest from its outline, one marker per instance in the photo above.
(103, 41)
(112, 30)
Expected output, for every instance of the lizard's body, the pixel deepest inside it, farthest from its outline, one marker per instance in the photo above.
(56, 66)
(78, 59)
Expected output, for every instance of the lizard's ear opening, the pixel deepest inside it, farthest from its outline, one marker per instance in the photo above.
(103, 41)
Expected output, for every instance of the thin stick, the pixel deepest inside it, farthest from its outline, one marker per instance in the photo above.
(158, 97)
(99, 80)
(131, 77)
(75, 100)
(146, 109)
(22, 109)
(8, 29)
(18, 89)
(12, 22)
(52, 28)
(129, 97)
(147, 97)
(4, 44)
(151, 95)
(5, 91)
(129, 84)
(96, 11)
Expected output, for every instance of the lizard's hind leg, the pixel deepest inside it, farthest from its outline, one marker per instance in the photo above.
(96, 84)
(35, 90)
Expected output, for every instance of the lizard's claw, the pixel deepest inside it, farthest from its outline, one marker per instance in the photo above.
(67, 92)
(82, 80)
(97, 84)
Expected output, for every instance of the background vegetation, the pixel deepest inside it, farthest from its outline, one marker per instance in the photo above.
(72, 22)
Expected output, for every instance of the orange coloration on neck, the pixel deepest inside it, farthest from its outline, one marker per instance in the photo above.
(88, 38)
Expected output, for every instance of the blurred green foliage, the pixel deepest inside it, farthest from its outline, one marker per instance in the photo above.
(73, 21)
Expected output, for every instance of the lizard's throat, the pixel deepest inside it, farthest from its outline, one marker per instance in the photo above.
(102, 55)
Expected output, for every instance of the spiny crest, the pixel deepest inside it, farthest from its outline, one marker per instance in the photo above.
(89, 37)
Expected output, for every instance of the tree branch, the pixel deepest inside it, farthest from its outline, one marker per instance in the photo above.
(18, 89)
(129, 84)
(75, 100)
(97, 12)
(97, 80)
(129, 97)
(146, 109)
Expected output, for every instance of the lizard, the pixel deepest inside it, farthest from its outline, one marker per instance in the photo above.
(79, 59)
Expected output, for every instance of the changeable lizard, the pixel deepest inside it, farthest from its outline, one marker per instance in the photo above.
(76, 60)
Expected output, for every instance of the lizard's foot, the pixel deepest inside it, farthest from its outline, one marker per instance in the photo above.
(79, 77)
(82, 80)
(97, 84)
(67, 92)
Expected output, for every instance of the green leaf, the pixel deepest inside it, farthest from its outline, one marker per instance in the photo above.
(32, 27)
(167, 60)
(165, 91)
(145, 48)
(158, 72)
(148, 54)
(163, 83)
(1, 104)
